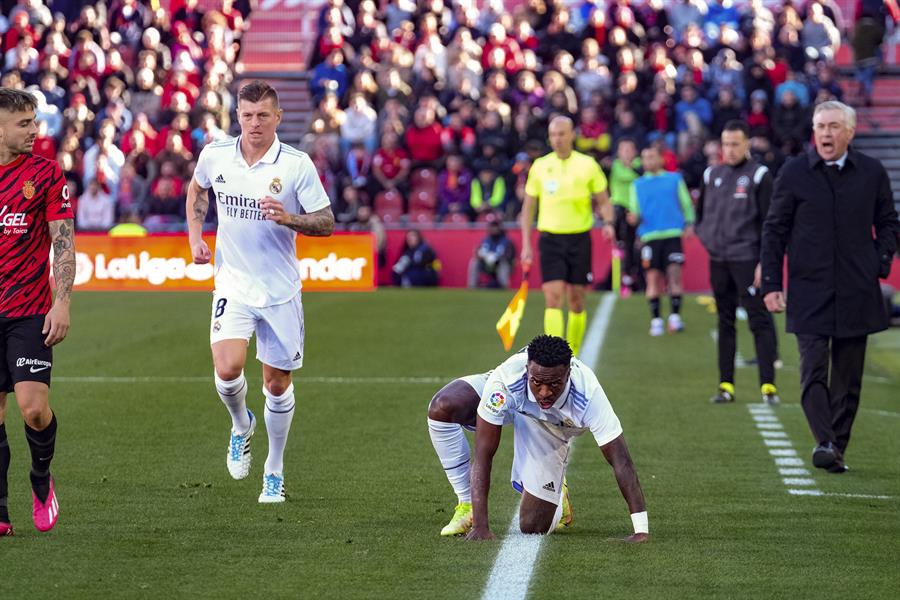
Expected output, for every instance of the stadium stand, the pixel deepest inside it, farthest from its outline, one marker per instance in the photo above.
(658, 71)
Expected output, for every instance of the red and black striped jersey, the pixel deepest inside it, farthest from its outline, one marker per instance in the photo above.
(33, 192)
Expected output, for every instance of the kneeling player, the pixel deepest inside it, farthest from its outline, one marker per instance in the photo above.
(551, 398)
(451, 410)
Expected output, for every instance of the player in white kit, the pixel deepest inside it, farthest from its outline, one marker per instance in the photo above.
(550, 398)
(260, 186)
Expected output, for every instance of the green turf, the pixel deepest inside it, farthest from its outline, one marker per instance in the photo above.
(148, 509)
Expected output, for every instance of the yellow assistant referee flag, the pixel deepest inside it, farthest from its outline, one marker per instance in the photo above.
(508, 325)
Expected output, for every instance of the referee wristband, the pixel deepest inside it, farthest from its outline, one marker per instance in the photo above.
(640, 522)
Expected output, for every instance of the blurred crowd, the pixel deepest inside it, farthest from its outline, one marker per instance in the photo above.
(433, 110)
(128, 92)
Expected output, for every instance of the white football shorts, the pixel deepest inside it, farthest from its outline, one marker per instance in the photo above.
(279, 329)
(540, 458)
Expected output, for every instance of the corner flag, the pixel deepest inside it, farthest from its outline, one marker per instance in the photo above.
(508, 325)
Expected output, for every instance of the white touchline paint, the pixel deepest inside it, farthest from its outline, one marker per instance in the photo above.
(793, 471)
(514, 565)
(790, 466)
(794, 474)
(799, 481)
(779, 443)
(783, 452)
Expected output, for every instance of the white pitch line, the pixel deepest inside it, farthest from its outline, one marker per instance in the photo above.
(514, 565)
(773, 434)
(209, 378)
(793, 471)
(803, 492)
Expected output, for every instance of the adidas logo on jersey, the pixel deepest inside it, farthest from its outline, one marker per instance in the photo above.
(297, 356)
(549, 487)
(220, 179)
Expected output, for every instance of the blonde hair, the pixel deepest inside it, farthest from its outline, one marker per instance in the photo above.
(849, 112)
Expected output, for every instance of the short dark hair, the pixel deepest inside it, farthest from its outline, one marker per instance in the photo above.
(549, 351)
(626, 140)
(257, 91)
(12, 100)
(737, 125)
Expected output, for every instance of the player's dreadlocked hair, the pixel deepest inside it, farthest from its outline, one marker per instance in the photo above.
(549, 351)
(16, 101)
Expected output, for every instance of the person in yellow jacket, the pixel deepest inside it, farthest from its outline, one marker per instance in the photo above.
(567, 188)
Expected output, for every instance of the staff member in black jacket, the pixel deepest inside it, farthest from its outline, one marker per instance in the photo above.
(733, 203)
(825, 207)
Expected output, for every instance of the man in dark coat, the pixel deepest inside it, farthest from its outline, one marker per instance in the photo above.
(825, 207)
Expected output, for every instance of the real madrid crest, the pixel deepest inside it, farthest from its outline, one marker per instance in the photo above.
(28, 189)
(275, 187)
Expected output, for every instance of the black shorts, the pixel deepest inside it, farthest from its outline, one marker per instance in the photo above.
(566, 257)
(23, 355)
(659, 254)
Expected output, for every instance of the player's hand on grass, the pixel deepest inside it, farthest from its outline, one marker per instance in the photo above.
(273, 210)
(200, 253)
(479, 533)
(56, 324)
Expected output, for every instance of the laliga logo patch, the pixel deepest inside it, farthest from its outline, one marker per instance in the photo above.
(28, 189)
(275, 187)
(497, 400)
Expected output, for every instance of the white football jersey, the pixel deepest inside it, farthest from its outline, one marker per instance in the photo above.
(256, 260)
(581, 407)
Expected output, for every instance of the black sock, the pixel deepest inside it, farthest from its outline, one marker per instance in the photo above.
(676, 304)
(42, 444)
(654, 307)
(4, 469)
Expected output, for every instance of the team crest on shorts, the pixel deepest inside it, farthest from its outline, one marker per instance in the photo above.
(28, 189)
(275, 187)
(217, 326)
(497, 400)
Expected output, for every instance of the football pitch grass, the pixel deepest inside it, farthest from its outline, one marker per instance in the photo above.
(148, 509)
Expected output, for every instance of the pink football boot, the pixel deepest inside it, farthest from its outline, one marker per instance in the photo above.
(46, 513)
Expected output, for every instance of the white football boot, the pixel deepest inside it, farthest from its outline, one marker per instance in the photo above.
(239, 458)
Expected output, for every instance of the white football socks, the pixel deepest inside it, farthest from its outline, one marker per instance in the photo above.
(452, 448)
(279, 414)
(234, 397)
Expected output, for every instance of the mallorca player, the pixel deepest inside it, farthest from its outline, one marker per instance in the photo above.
(35, 211)
(260, 185)
(550, 398)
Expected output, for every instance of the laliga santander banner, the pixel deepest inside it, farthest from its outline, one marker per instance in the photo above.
(342, 262)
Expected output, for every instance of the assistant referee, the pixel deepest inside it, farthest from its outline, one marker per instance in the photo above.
(566, 187)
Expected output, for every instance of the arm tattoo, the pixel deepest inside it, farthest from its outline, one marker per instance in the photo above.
(63, 235)
(200, 203)
(319, 223)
